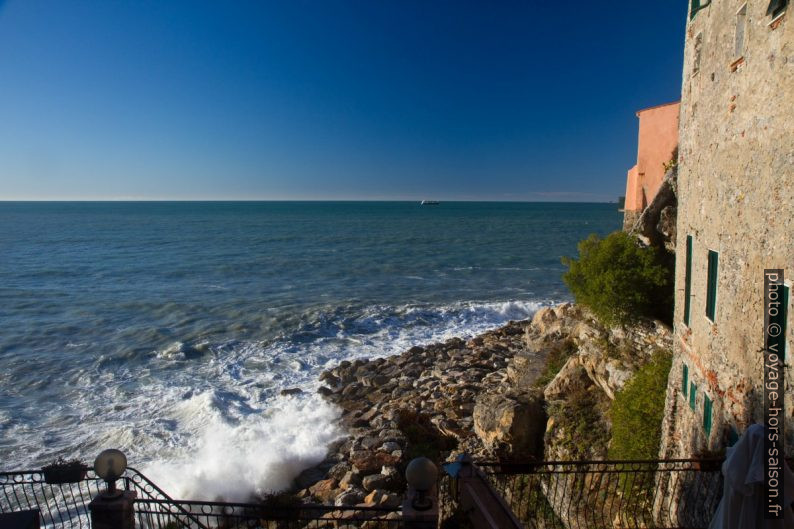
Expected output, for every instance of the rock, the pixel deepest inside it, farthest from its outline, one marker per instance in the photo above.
(375, 481)
(511, 425)
(543, 318)
(349, 497)
(350, 480)
(339, 470)
(666, 226)
(524, 368)
(572, 377)
(324, 391)
(309, 477)
(325, 490)
(368, 462)
(380, 498)
(291, 391)
(646, 228)
(390, 446)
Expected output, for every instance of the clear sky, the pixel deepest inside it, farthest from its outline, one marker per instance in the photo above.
(370, 99)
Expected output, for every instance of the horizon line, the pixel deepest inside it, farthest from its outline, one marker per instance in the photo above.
(220, 200)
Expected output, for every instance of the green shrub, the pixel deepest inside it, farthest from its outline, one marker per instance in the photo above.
(638, 409)
(555, 359)
(619, 280)
(580, 424)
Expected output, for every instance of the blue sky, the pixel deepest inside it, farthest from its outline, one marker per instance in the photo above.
(386, 99)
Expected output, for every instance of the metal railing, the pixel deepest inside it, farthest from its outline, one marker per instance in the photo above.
(171, 515)
(65, 505)
(664, 494)
(62, 504)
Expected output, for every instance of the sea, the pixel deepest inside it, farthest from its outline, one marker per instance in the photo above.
(169, 329)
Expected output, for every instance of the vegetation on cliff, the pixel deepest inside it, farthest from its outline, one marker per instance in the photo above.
(638, 409)
(619, 280)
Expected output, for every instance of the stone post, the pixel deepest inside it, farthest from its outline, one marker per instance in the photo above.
(415, 519)
(113, 511)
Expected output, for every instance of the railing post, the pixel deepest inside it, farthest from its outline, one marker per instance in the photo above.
(113, 512)
(420, 507)
(416, 519)
(112, 508)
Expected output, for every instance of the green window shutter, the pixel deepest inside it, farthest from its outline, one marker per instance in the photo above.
(694, 6)
(711, 289)
(688, 280)
(685, 379)
(775, 7)
(707, 405)
(692, 392)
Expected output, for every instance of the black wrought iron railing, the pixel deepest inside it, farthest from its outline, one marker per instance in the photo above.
(65, 505)
(164, 514)
(664, 494)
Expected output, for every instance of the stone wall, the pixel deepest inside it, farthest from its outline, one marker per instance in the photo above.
(736, 197)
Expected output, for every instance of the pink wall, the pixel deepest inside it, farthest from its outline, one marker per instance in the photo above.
(658, 137)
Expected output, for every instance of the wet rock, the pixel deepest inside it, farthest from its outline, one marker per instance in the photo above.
(325, 490)
(349, 497)
(375, 481)
(291, 391)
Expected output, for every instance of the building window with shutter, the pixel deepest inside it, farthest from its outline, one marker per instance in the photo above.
(776, 8)
(707, 408)
(741, 25)
(684, 379)
(711, 286)
(695, 6)
(688, 281)
(693, 389)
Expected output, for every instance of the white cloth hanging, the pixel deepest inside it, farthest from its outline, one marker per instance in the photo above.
(744, 500)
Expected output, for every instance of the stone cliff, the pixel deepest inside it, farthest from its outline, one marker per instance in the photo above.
(530, 390)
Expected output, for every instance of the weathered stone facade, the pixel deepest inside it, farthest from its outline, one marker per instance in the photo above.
(735, 197)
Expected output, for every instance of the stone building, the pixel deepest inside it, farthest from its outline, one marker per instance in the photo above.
(735, 218)
(657, 138)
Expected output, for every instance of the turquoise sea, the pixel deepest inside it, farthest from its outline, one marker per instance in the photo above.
(168, 329)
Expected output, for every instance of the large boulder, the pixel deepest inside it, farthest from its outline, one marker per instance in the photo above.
(511, 425)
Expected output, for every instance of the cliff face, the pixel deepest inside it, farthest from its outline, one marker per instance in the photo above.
(601, 362)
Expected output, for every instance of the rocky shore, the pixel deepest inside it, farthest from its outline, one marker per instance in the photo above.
(506, 394)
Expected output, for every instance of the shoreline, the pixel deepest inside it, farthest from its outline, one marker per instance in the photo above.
(419, 402)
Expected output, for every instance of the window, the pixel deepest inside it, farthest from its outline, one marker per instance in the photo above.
(685, 379)
(741, 24)
(696, 58)
(693, 389)
(687, 281)
(779, 342)
(697, 5)
(776, 7)
(711, 288)
(707, 406)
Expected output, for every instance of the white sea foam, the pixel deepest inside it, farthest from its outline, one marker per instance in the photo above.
(206, 420)
(261, 454)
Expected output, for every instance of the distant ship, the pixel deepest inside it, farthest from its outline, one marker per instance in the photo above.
(430, 203)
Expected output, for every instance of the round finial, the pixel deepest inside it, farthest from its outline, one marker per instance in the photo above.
(110, 464)
(421, 474)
